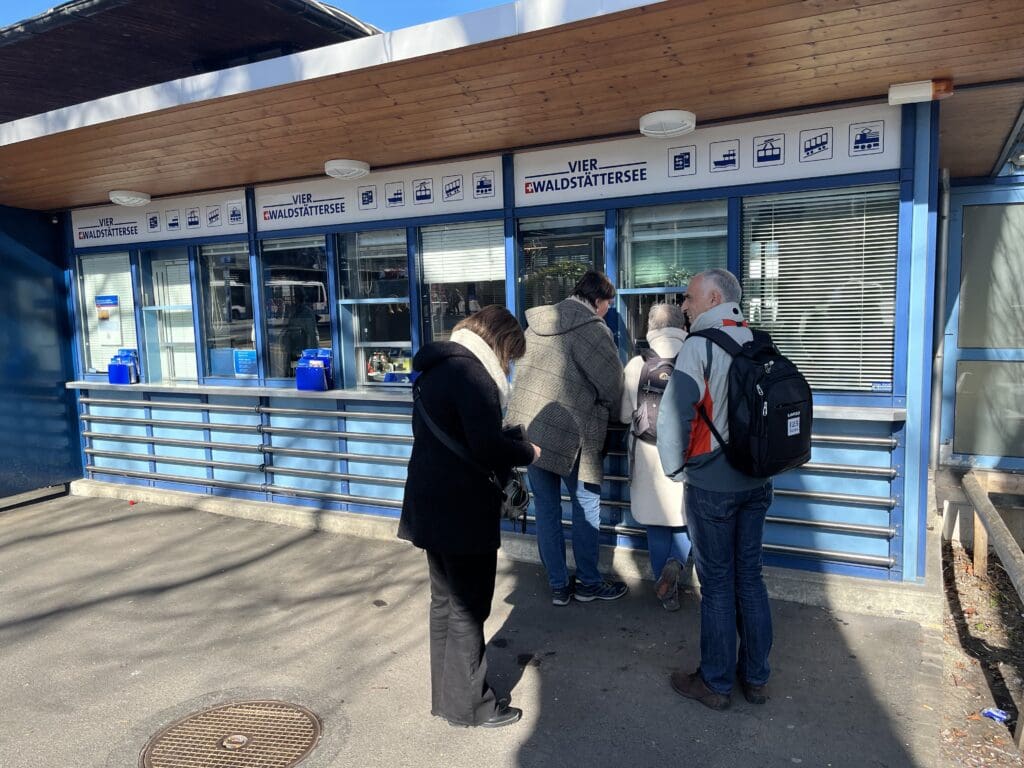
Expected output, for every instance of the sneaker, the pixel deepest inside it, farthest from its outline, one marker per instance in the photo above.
(606, 590)
(692, 686)
(563, 595)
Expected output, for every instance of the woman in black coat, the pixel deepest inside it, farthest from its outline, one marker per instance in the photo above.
(452, 510)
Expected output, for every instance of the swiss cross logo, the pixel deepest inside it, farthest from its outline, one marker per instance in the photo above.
(266, 215)
(529, 187)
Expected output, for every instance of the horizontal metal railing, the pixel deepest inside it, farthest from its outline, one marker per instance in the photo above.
(237, 467)
(257, 429)
(871, 442)
(307, 453)
(277, 490)
(222, 408)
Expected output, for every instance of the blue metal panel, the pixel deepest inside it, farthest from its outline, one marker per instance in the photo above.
(39, 441)
(810, 538)
(370, 469)
(138, 481)
(412, 251)
(824, 566)
(373, 491)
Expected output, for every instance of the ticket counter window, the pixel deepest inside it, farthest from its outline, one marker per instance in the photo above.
(374, 304)
(168, 333)
(819, 274)
(107, 308)
(463, 270)
(554, 253)
(297, 312)
(661, 248)
(228, 333)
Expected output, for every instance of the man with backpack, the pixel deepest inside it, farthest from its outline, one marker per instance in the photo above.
(726, 507)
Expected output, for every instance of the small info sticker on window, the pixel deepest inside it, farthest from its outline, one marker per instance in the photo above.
(793, 426)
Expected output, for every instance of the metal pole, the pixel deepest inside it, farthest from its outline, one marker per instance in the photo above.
(939, 319)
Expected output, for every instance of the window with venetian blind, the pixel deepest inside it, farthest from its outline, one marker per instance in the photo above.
(463, 271)
(107, 324)
(819, 274)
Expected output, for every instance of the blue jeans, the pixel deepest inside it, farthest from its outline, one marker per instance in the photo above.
(727, 531)
(586, 521)
(664, 542)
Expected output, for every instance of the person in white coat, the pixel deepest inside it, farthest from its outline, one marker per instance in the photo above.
(656, 501)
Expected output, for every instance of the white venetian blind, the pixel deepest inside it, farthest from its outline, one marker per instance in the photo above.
(459, 253)
(108, 275)
(819, 274)
(666, 245)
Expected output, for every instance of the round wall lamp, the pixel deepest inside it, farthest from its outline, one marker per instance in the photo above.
(346, 169)
(128, 197)
(666, 123)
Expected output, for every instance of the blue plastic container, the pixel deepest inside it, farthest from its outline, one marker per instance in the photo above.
(310, 378)
(119, 373)
(124, 367)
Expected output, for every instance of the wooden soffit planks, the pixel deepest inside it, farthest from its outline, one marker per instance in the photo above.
(722, 59)
(975, 125)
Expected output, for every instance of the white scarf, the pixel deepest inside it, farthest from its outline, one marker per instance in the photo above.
(482, 351)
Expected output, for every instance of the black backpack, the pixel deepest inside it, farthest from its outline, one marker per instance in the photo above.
(654, 378)
(770, 408)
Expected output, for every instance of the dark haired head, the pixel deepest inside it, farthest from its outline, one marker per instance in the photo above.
(500, 329)
(593, 287)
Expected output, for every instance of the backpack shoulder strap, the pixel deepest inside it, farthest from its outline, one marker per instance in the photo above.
(722, 339)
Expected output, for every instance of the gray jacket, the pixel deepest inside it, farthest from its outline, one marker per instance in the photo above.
(565, 386)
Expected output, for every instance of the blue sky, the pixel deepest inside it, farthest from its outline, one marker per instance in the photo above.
(386, 14)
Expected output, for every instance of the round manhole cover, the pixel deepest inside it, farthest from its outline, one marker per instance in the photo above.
(267, 734)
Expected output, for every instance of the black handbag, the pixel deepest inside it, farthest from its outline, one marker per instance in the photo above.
(515, 498)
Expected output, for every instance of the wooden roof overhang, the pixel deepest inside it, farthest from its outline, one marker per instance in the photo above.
(722, 59)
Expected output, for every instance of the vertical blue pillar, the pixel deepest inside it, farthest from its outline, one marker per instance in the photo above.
(256, 286)
(920, 296)
(508, 201)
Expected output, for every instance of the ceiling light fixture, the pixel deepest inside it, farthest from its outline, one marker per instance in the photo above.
(346, 169)
(919, 91)
(666, 123)
(129, 198)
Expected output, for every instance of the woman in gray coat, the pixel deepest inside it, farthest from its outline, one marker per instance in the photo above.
(563, 391)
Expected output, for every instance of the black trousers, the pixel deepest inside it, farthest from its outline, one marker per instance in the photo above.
(461, 590)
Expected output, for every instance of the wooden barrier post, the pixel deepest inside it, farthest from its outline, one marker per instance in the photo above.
(980, 546)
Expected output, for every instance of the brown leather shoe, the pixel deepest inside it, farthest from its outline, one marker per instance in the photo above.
(692, 686)
(755, 694)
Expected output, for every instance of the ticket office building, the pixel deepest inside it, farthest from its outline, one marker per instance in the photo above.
(828, 219)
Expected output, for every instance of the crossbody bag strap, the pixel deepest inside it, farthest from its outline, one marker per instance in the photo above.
(447, 441)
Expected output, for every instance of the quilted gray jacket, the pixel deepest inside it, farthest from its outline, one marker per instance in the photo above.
(565, 386)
